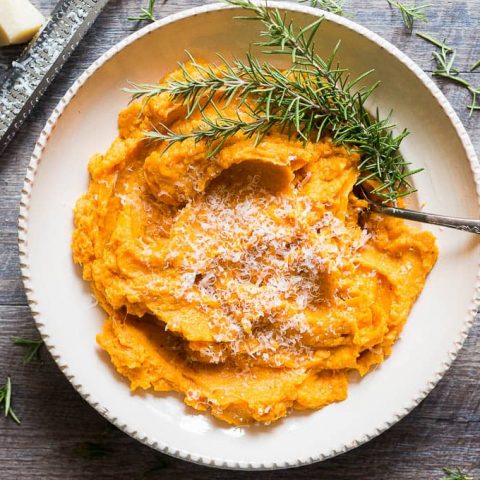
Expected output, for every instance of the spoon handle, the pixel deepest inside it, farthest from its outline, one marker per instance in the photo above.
(465, 224)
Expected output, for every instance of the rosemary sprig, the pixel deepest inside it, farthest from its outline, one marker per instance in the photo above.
(33, 348)
(410, 13)
(332, 6)
(445, 68)
(456, 474)
(312, 97)
(445, 59)
(6, 401)
(147, 14)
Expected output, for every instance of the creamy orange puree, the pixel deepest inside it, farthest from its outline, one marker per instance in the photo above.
(242, 281)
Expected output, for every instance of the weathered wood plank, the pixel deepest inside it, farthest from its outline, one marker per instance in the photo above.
(443, 431)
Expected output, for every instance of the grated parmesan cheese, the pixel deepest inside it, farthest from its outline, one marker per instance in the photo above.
(264, 259)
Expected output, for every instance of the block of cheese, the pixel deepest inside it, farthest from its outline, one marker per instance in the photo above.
(19, 21)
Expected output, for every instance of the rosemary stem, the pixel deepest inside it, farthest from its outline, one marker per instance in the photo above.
(434, 41)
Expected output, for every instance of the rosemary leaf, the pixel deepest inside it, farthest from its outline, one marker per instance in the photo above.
(332, 6)
(475, 66)
(474, 106)
(455, 475)
(434, 41)
(147, 14)
(312, 97)
(6, 400)
(410, 13)
(33, 348)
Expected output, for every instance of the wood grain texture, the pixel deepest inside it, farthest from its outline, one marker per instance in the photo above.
(443, 431)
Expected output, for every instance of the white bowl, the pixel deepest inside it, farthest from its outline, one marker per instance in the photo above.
(84, 122)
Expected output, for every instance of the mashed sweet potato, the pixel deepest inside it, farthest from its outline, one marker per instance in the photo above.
(243, 281)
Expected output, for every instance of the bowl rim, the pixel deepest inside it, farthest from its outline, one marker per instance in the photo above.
(23, 219)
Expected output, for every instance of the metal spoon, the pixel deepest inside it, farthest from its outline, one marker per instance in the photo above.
(464, 224)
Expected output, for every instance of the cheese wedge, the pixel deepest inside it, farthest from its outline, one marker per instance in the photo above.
(19, 21)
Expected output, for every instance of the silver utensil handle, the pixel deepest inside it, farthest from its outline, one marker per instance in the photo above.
(33, 72)
(465, 224)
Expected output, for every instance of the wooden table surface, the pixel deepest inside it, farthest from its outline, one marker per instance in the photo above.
(58, 426)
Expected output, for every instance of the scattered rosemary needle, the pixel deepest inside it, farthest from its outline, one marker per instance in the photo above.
(475, 66)
(312, 97)
(455, 475)
(445, 68)
(410, 13)
(6, 400)
(434, 41)
(147, 14)
(33, 348)
(332, 6)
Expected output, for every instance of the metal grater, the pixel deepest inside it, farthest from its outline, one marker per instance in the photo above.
(38, 65)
